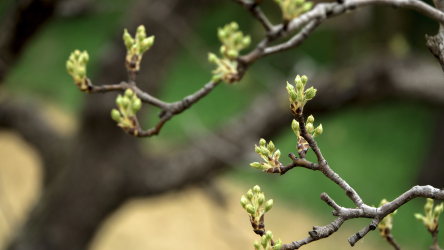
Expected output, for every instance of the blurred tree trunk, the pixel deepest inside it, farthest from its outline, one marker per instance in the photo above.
(432, 171)
(18, 26)
(95, 176)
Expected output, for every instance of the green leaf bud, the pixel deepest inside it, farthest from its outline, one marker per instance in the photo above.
(318, 130)
(119, 100)
(264, 241)
(150, 41)
(271, 146)
(310, 93)
(277, 245)
(256, 189)
(291, 92)
(306, 6)
(129, 93)
(437, 211)
(127, 39)
(72, 57)
(290, 88)
(70, 67)
(304, 79)
(84, 57)
(420, 218)
(428, 206)
(237, 37)
(262, 142)
(256, 245)
(212, 58)
(223, 50)
(136, 105)
(256, 165)
(295, 126)
(243, 201)
(268, 205)
(250, 209)
(300, 86)
(221, 33)
(310, 119)
(269, 235)
(265, 152)
(125, 102)
(261, 199)
(234, 26)
(257, 149)
(76, 54)
(277, 154)
(146, 44)
(115, 114)
(310, 128)
(232, 53)
(383, 202)
(250, 195)
(246, 41)
(297, 80)
(141, 34)
(81, 72)
(293, 96)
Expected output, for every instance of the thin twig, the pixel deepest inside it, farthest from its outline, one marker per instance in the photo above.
(311, 20)
(392, 242)
(257, 13)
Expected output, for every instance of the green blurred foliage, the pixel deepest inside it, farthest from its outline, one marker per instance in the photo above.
(377, 149)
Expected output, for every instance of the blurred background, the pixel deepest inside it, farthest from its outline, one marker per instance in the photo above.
(71, 179)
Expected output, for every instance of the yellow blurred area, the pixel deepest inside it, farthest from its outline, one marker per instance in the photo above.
(185, 220)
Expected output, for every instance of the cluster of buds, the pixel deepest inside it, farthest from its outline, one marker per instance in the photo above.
(268, 243)
(298, 97)
(310, 128)
(233, 41)
(136, 47)
(128, 106)
(293, 8)
(270, 155)
(430, 220)
(76, 66)
(252, 203)
(385, 226)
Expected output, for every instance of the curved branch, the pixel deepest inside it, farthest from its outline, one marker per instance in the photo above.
(320, 12)
(377, 214)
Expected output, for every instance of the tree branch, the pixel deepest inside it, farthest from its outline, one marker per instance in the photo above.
(311, 19)
(320, 12)
(257, 13)
(436, 43)
(364, 212)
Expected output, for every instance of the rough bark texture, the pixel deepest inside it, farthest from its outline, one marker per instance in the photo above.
(436, 42)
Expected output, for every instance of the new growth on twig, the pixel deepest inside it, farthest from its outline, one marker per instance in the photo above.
(298, 17)
(382, 216)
